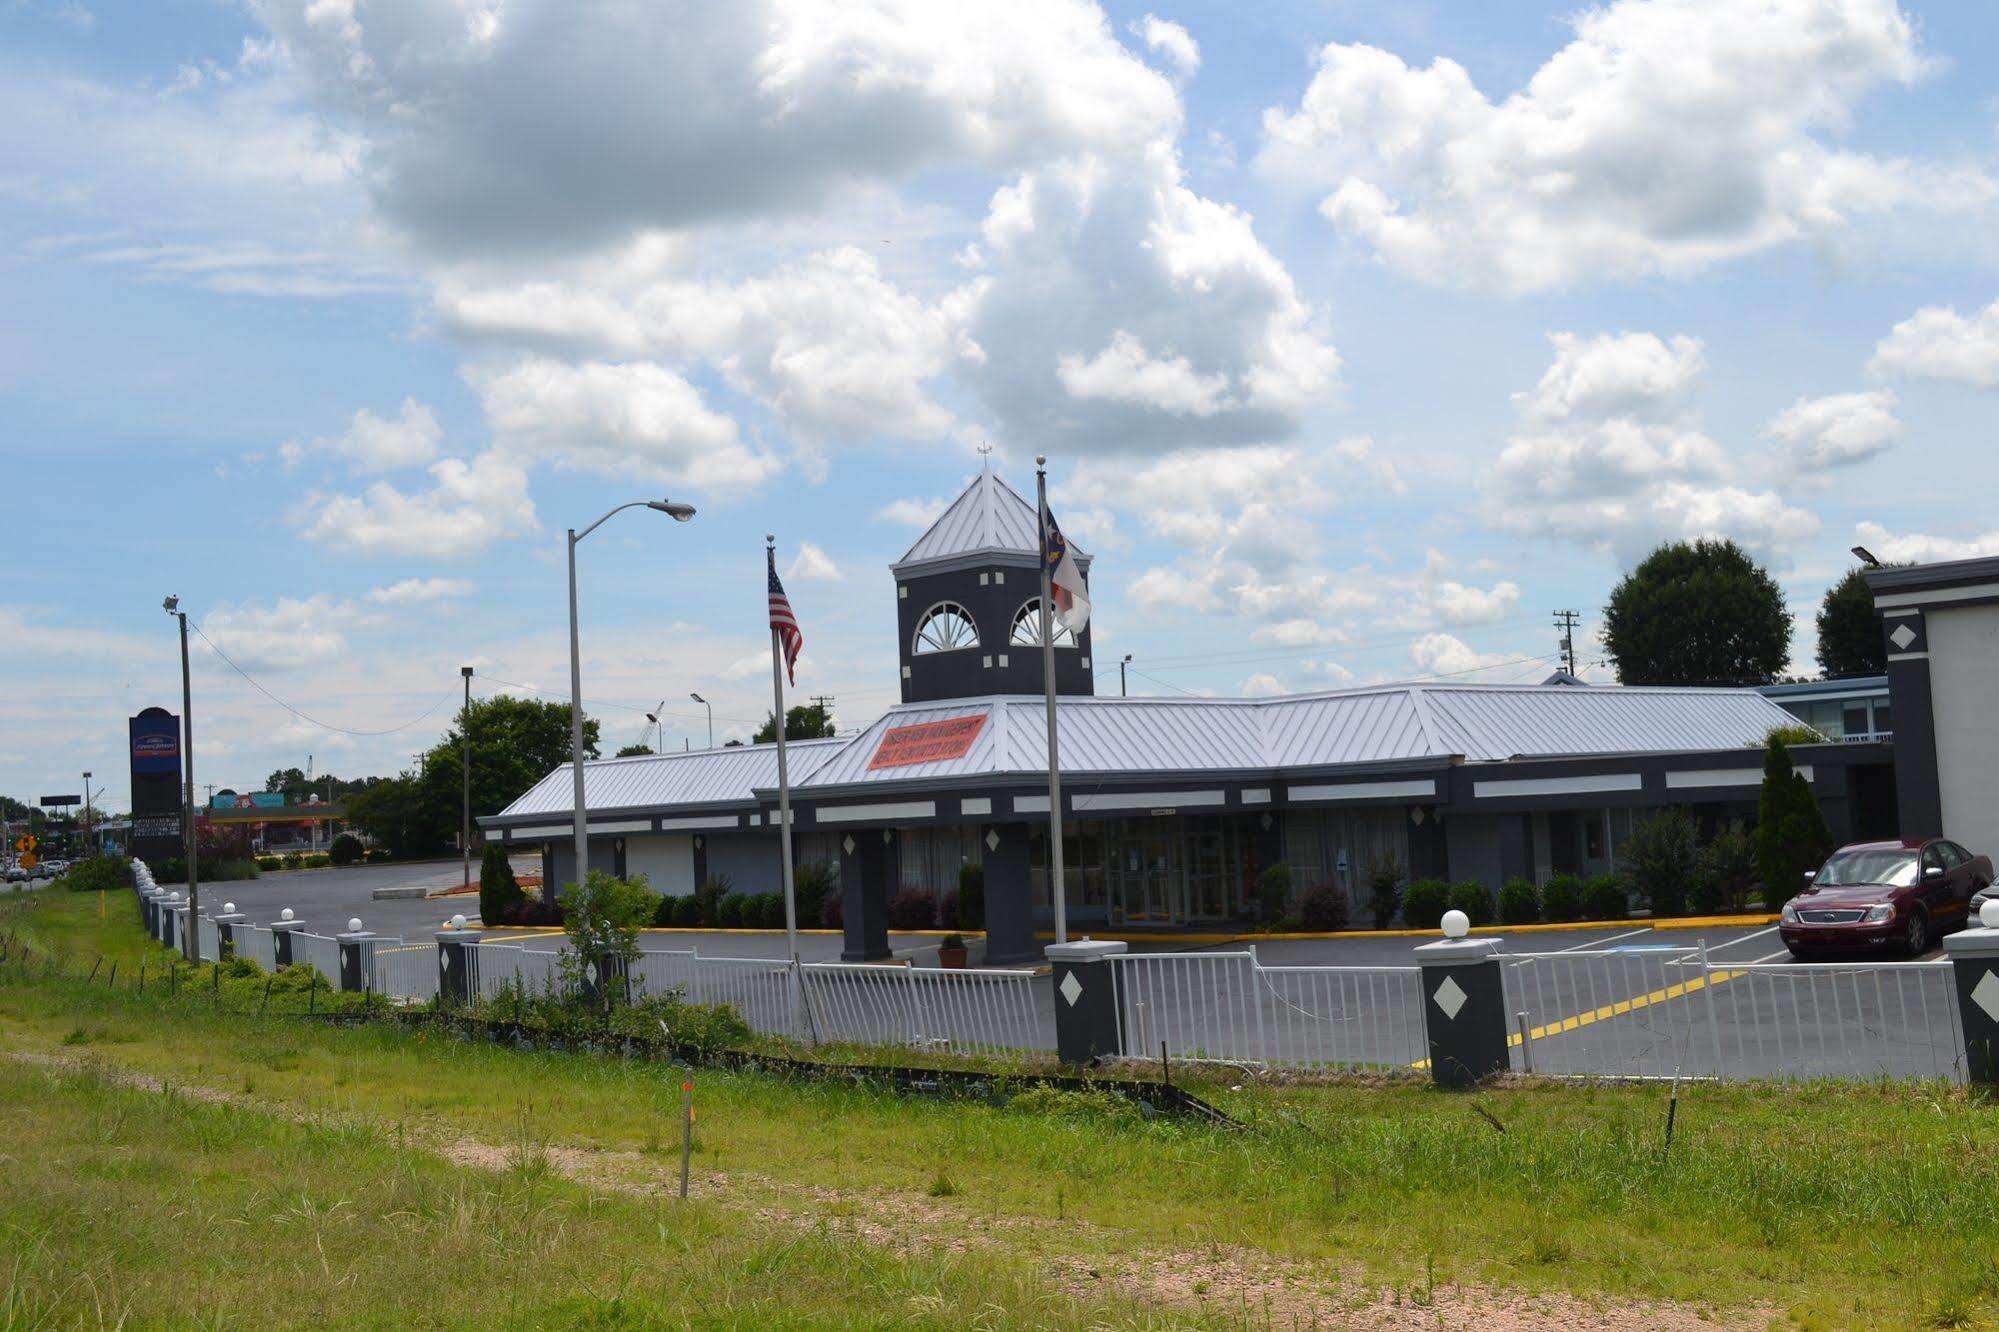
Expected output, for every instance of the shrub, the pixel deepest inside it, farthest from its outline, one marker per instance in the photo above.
(1474, 899)
(833, 911)
(1562, 898)
(500, 895)
(947, 910)
(710, 894)
(378, 854)
(1519, 902)
(1323, 907)
(686, 911)
(810, 883)
(1791, 836)
(604, 914)
(971, 897)
(1384, 888)
(1605, 898)
(269, 863)
(1424, 903)
(768, 912)
(1661, 859)
(1728, 867)
(912, 911)
(1273, 892)
(346, 850)
(173, 869)
(95, 873)
(729, 912)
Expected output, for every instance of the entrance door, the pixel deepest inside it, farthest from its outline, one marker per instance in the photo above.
(1147, 872)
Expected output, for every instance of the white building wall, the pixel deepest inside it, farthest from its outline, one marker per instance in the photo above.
(1964, 690)
(667, 863)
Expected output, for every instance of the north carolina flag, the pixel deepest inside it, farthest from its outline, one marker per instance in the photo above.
(1065, 581)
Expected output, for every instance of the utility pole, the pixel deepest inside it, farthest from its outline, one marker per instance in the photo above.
(465, 777)
(172, 606)
(1565, 620)
(89, 824)
(824, 702)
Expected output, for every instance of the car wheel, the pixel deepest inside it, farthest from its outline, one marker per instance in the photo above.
(1916, 934)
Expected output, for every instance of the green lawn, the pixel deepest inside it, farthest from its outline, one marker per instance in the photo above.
(1825, 1206)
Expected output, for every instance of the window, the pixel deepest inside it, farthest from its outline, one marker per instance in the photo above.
(1884, 718)
(1854, 720)
(1953, 854)
(945, 627)
(1027, 627)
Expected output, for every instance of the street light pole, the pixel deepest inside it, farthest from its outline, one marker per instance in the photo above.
(465, 780)
(89, 824)
(711, 717)
(172, 606)
(1120, 674)
(679, 513)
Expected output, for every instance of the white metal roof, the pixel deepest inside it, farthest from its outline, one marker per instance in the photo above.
(1473, 723)
(702, 777)
(990, 517)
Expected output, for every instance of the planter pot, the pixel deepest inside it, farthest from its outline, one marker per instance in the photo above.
(952, 959)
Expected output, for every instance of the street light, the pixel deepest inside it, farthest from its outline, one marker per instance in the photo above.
(465, 781)
(1866, 557)
(711, 717)
(172, 607)
(659, 732)
(680, 513)
(88, 822)
(1120, 674)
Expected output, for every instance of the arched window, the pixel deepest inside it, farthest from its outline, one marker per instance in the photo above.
(1027, 627)
(945, 627)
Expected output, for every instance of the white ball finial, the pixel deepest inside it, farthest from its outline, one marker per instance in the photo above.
(354, 925)
(458, 922)
(1456, 924)
(228, 908)
(286, 914)
(1988, 914)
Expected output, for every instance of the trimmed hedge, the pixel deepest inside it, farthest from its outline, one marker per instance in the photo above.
(912, 911)
(1605, 898)
(500, 895)
(1474, 899)
(346, 850)
(1323, 907)
(1562, 898)
(971, 897)
(1424, 903)
(1519, 902)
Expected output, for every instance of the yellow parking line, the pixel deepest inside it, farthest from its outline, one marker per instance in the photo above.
(1618, 1009)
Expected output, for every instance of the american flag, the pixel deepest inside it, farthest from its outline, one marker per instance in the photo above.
(782, 620)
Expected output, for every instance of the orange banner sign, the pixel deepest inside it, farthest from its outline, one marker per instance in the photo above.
(927, 742)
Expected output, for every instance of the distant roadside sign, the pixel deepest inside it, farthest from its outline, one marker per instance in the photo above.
(51, 802)
(29, 860)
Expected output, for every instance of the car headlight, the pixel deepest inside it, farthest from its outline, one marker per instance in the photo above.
(1790, 914)
(1879, 912)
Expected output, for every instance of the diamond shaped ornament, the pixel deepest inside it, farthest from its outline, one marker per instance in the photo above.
(1986, 995)
(1902, 637)
(1072, 989)
(1450, 997)
(847, 844)
(992, 839)
(1416, 816)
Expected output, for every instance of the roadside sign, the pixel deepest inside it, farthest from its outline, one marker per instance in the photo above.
(56, 801)
(29, 860)
(25, 842)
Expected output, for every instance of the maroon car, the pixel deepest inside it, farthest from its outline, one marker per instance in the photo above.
(1899, 895)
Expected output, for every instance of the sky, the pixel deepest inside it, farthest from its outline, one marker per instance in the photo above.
(1359, 338)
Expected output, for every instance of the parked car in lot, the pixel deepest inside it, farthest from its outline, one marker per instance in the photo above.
(1897, 895)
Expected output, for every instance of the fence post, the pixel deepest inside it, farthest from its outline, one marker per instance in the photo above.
(1974, 962)
(1088, 1026)
(1464, 1007)
(281, 942)
(357, 958)
(225, 932)
(455, 983)
(603, 975)
(1256, 1001)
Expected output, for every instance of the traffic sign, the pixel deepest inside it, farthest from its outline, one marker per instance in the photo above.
(25, 842)
(29, 860)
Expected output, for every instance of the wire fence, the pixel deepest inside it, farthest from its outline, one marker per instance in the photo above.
(1838, 1020)
(318, 951)
(257, 944)
(968, 1011)
(1633, 1013)
(404, 971)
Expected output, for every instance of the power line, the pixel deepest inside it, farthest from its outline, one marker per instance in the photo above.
(606, 703)
(305, 716)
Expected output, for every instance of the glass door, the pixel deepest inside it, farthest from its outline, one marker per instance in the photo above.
(1146, 868)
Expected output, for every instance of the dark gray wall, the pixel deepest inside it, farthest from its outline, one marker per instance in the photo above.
(965, 673)
(752, 860)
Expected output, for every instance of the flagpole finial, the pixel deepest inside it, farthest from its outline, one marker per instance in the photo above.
(1040, 460)
(770, 539)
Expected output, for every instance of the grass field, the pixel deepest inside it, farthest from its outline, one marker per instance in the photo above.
(164, 1161)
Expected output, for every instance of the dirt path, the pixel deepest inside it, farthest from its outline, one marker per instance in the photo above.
(1219, 1279)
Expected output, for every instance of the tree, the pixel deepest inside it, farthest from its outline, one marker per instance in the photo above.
(634, 751)
(1697, 613)
(1850, 641)
(1791, 834)
(808, 721)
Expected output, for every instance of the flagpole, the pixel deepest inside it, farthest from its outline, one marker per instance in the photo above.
(783, 780)
(1057, 882)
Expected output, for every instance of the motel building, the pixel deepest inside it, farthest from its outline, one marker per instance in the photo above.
(1171, 806)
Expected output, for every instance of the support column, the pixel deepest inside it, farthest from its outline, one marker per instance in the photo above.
(1087, 1021)
(357, 958)
(1974, 961)
(455, 984)
(225, 932)
(867, 862)
(281, 942)
(1009, 894)
(1464, 1010)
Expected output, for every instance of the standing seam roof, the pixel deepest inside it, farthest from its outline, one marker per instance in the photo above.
(989, 515)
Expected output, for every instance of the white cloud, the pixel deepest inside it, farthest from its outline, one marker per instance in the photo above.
(814, 565)
(416, 591)
(1443, 654)
(521, 128)
(1166, 38)
(1816, 434)
(471, 505)
(1918, 548)
(914, 512)
(373, 444)
(290, 633)
(1668, 135)
(1937, 342)
(1610, 454)
(1261, 684)
(635, 419)
(1125, 372)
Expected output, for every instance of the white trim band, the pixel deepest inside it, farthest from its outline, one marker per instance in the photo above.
(976, 805)
(1697, 778)
(1255, 795)
(698, 825)
(628, 826)
(1540, 786)
(905, 809)
(1938, 596)
(1424, 789)
(1150, 800)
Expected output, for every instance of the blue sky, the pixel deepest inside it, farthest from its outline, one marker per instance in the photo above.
(1359, 337)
